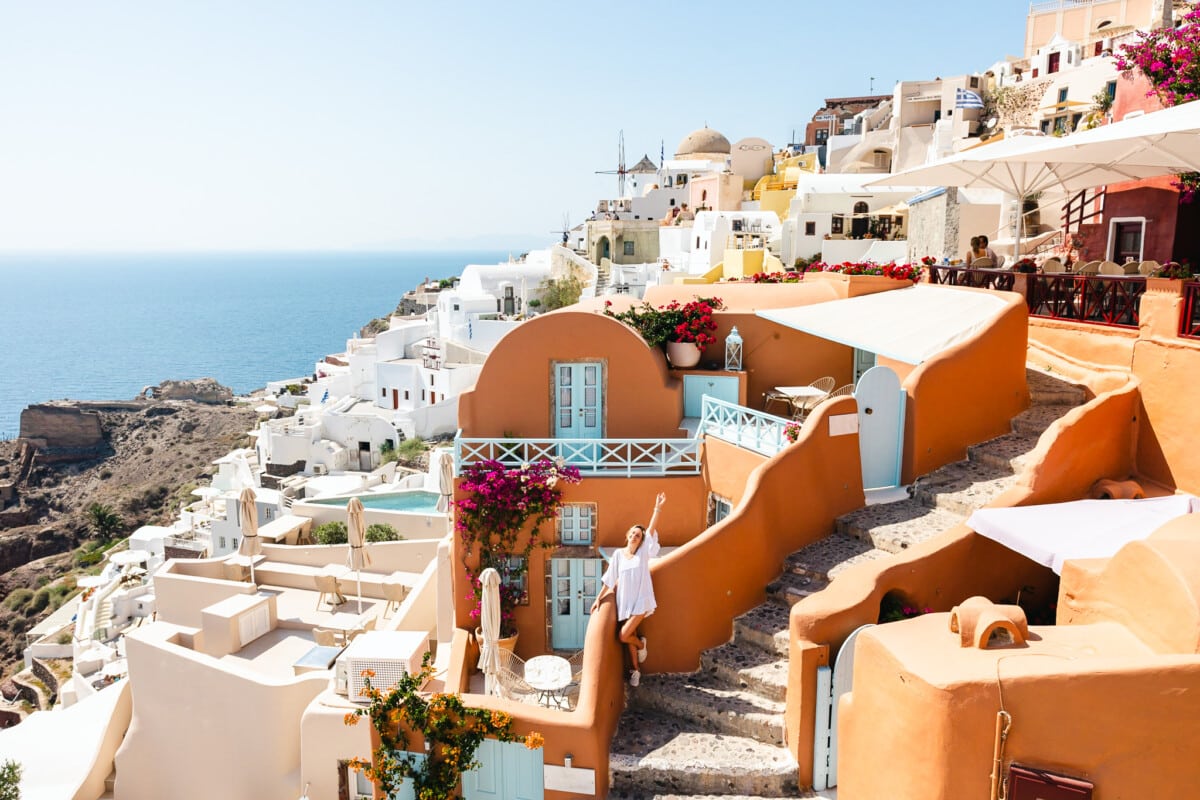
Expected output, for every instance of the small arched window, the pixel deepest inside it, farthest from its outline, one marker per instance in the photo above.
(861, 208)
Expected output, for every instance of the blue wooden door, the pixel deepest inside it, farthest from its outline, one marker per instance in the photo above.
(880, 426)
(578, 407)
(574, 586)
(507, 771)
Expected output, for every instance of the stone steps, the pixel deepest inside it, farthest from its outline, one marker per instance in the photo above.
(790, 588)
(894, 527)
(748, 667)
(826, 558)
(656, 754)
(713, 704)
(962, 487)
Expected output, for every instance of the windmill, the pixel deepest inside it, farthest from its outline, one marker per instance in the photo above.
(620, 171)
(565, 232)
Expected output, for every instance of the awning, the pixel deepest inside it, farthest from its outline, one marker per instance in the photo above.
(1051, 534)
(908, 325)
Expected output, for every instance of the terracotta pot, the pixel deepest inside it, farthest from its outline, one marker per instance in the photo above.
(683, 354)
(508, 643)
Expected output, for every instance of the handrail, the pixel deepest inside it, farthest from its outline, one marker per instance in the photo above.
(1000, 280)
(1113, 300)
(745, 427)
(593, 457)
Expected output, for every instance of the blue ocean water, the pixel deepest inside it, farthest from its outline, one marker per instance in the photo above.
(101, 327)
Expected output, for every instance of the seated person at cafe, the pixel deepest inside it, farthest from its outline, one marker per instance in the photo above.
(976, 251)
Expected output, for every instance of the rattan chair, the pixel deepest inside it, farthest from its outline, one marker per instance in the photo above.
(1111, 268)
(571, 693)
(982, 263)
(1090, 268)
(1053, 265)
(1148, 267)
(510, 679)
(802, 409)
(330, 590)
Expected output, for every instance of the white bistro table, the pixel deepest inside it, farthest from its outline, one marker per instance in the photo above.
(802, 396)
(549, 675)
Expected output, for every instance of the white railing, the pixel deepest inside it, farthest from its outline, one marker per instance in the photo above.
(1056, 5)
(593, 457)
(745, 427)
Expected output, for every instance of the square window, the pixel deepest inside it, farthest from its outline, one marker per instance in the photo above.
(810, 228)
(515, 574)
(835, 225)
(383, 392)
(576, 524)
(1062, 95)
(628, 248)
(406, 394)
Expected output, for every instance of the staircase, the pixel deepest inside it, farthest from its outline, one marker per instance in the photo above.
(719, 731)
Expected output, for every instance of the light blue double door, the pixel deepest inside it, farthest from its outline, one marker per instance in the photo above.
(578, 407)
(506, 771)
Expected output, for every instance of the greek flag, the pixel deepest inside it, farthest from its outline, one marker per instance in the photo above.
(965, 98)
(324, 397)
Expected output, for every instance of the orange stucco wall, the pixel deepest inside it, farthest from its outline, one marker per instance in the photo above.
(724, 571)
(969, 393)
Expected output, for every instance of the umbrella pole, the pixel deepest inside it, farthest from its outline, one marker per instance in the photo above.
(359, 572)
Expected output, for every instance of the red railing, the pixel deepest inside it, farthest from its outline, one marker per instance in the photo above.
(1189, 320)
(999, 280)
(1097, 299)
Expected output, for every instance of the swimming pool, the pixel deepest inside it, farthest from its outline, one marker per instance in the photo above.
(414, 500)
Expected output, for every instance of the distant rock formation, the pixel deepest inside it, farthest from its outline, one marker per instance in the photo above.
(63, 431)
(203, 390)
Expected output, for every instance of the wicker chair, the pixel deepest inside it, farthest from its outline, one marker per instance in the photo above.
(510, 679)
(1148, 267)
(1090, 268)
(802, 409)
(982, 263)
(330, 590)
(329, 637)
(1111, 268)
(571, 693)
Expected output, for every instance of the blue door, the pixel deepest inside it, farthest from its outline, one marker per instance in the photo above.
(574, 586)
(507, 771)
(697, 387)
(880, 426)
(843, 681)
(578, 408)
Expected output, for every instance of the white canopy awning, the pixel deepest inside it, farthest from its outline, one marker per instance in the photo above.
(908, 325)
(1051, 534)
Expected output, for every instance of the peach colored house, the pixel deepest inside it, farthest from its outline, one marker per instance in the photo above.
(734, 510)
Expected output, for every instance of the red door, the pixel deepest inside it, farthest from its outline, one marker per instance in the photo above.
(395, 398)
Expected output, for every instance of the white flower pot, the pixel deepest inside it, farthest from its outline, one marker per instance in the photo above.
(683, 354)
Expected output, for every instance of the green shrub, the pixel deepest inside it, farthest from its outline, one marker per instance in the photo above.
(330, 533)
(88, 558)
(10, 778)
(411, 449)
(382, 532)
(18, 599)
(41, 599)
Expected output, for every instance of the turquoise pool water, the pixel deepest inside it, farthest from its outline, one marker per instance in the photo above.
(415, 501)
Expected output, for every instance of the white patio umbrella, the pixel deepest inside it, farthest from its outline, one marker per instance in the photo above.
(489, 624)
(250, 545)
(445, 481)
(1159, 143)
(356, 533)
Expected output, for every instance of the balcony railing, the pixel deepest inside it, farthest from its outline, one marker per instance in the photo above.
(1189, 320)
(1113, 300)
(745, 427)
(592, 457)
(978, 278)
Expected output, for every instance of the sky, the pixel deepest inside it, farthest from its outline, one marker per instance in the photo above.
(159, 125)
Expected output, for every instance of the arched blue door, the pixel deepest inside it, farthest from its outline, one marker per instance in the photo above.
(880, 426)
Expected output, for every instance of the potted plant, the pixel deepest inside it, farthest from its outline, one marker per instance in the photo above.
(683, 329)
(500, 503)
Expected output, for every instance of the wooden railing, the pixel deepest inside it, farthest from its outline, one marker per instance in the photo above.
(592, 457)
(745, 427)
(998, 279)
(1189, 320)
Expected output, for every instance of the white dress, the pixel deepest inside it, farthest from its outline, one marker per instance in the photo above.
(631, 576)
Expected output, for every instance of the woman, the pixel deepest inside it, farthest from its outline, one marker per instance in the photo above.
(977, 250)
(628, 577)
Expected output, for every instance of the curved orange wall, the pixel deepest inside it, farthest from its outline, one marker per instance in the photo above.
(967, 394)
(724, 571)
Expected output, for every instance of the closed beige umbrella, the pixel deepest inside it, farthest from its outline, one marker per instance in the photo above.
(489, 624)
(356, 533)
(446, 481)
(250, 545)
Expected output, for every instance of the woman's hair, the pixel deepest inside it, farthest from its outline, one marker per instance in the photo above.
(974, 242)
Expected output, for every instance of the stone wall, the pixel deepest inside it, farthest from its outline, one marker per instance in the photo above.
(203, 390)
(55, 427)
(933, 226)
(46, 675)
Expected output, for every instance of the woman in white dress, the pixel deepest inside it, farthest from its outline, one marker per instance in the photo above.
(628, 577)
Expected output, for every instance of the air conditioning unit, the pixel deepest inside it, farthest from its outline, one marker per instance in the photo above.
(320, 469)
(389, 655)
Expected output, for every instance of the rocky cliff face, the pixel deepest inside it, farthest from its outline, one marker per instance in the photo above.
(140, 458)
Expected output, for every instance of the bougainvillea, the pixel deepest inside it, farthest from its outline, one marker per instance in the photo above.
(675, 322)
(900, 272)
(452, 732)
(1170, 60)
(500, 502)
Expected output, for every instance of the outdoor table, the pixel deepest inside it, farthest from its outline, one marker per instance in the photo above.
(549, 675)
(801, 396)
(319, 657)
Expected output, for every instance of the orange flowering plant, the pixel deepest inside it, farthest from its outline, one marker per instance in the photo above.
(452, 731)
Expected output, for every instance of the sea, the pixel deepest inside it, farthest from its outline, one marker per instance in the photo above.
(103, 327)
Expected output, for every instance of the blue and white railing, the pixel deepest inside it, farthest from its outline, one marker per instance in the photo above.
(745, 427)
(592, 457)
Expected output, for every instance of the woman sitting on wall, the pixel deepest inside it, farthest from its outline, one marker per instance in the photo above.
(628, 577)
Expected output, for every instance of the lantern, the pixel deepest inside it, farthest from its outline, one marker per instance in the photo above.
(733, 350)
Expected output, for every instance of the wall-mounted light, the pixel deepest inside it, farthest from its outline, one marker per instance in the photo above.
(567, 759)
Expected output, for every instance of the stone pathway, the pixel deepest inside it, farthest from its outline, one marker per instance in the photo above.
(719, 731)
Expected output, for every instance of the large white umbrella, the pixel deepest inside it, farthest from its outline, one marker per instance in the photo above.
(1159, 143)
(445, 481)
(250, 545)
(489, 623)
(127, 558)
(356, 533)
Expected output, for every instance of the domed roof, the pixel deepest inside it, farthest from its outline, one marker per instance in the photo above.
(705, 140)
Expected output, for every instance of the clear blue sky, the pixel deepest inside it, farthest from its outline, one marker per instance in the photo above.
(261, 124)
